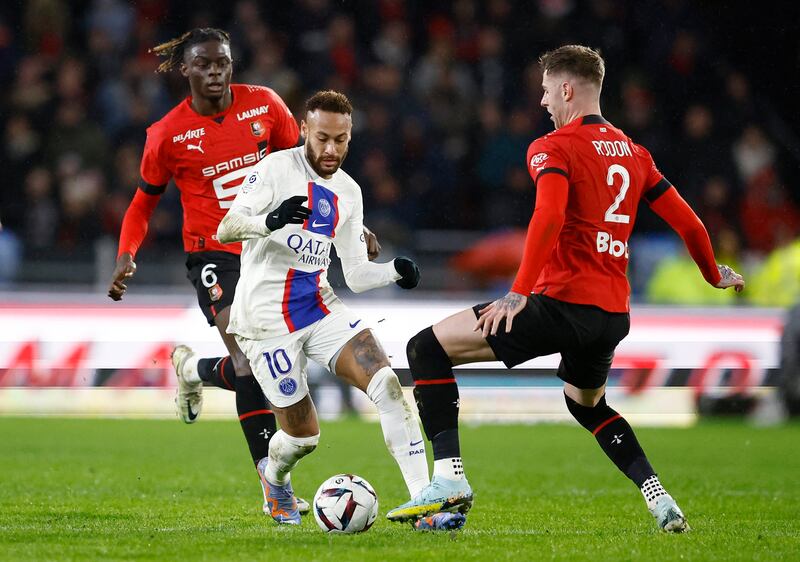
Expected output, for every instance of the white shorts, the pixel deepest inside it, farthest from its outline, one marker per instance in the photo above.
(279, 363)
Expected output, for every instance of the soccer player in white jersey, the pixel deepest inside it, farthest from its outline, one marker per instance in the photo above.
(284, 310)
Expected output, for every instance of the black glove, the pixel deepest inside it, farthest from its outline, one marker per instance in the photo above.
(409, 271)
(290, 211)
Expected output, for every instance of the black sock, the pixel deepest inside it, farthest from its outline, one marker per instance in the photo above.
(217, 371)
(615, 436)
(446, 445)
(257, 420)
(436, 393)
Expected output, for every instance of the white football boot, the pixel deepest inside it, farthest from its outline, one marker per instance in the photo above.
(189, 394)
(668, 515)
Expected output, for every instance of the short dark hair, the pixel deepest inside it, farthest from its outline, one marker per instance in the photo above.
(580, 61)
(329, 100)
(174, 49)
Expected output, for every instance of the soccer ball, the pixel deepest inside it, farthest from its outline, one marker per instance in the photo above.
(345, 503)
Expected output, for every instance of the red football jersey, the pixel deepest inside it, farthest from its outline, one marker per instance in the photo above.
(608, 174)
(209, 157)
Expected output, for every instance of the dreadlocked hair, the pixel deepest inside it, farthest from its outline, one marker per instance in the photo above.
(173, 49)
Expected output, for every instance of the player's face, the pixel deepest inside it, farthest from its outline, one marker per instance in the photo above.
(553, 99)
(327, 137)
(208, 67)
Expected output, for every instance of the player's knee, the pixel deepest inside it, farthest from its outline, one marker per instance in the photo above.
(426, 356)
(303, 445)
(384, 388)
(590, 417)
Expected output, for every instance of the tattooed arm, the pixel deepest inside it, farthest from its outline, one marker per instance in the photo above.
(505, 308)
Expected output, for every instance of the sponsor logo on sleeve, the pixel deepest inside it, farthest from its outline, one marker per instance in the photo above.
(537, 161)
(251, 183)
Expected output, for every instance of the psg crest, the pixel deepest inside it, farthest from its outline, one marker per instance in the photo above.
(287, 386)
(324, 207)
(257, 128)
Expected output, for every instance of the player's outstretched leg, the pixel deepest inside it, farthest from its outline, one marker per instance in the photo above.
(285, 451)
(617, 439)
(189, 394)
(437, 399)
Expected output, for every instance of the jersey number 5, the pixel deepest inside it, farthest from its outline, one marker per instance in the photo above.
(617, 170)
(226, 194)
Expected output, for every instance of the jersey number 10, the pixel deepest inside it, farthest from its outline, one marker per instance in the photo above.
(278, 361)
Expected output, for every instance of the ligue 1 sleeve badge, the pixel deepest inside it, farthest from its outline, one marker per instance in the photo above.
(257, 128)
(215, 293)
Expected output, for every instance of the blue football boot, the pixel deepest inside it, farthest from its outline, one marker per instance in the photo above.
(443, 521)
(279, 501)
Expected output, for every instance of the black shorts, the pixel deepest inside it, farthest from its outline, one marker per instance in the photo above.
(584, 335)
(214, 276)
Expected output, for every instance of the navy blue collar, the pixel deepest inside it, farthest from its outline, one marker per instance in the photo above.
(594, 120)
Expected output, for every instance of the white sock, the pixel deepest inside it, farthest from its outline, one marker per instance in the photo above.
(400, 429)
(190, 369)
(285, 452)
(452, 468)
(652, 490)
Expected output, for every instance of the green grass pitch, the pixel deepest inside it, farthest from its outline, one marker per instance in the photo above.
(159, 490)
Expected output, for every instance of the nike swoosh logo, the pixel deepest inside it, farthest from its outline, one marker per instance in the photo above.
(415, 443)
(354, 324)
(192, 415)
(315, 224)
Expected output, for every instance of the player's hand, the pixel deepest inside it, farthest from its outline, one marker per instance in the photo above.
(373, 247)
(729, 279)
(124, 269)
(409, 272)
(290, 211)
(507, 308)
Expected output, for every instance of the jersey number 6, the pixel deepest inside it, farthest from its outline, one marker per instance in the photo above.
(207, 275)
(613, 170)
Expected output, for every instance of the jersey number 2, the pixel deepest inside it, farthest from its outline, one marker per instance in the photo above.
(614, 170)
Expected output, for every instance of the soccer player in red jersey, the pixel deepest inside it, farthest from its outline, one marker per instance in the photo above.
(207, 145)
(571, 295)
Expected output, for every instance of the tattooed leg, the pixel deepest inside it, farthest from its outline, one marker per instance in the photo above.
(299, 420)
(360, 359)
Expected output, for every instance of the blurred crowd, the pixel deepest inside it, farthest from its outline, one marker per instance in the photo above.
(446, 96)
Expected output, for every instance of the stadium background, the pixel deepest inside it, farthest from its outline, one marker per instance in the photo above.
(447, 100)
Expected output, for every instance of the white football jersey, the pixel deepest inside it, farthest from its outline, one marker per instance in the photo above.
(283, 285)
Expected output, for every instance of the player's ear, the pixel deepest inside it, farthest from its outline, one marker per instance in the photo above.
(303, 129)
(184, 70)
(567, 91)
